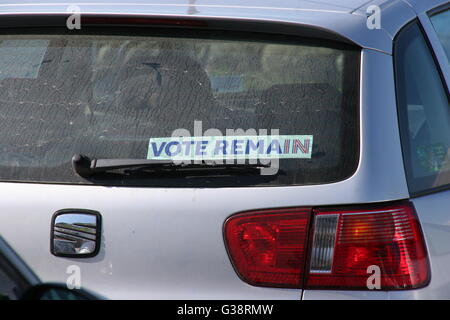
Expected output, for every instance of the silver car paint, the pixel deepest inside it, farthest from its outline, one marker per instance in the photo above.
(432, 210)
(167, 243)
(345, 20)
(434, 216)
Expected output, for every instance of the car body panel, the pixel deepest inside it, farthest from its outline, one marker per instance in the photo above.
(434, 217)
(420, 6)
(346, 20)
(166, 243)
(432, 211)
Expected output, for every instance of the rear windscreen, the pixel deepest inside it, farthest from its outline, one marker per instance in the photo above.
(107, 95)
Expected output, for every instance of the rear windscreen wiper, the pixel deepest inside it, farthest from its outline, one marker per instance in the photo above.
(85, 166)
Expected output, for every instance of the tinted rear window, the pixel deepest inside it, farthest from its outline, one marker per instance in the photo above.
(424, 112)
(441, 23)
(106, 94)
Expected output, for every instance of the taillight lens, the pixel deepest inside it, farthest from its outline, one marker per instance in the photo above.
(268, 247)
(388, 238)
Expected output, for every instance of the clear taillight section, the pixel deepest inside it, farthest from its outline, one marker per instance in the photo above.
(268, 247)
(346, 245)
(388, 239)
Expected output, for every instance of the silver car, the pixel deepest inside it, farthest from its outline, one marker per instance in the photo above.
(228, 149)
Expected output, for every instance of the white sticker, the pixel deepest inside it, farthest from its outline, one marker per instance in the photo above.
(231, 147)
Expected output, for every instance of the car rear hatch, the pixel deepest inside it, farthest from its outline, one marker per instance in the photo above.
(289, 106)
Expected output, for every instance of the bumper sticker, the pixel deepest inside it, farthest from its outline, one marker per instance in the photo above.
(231, 147)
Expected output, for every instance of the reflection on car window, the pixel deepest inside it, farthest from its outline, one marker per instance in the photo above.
(441, 23)
(106, 95)
(424, 112)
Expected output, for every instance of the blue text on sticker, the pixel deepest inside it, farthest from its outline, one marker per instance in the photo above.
(231, 147)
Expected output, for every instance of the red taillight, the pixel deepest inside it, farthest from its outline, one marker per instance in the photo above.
(387, 237)
(269, 247)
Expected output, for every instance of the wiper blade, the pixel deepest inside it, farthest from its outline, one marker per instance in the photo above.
(85, 166)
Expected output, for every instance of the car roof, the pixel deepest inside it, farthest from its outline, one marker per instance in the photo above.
(346, 18)
(316, 5)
